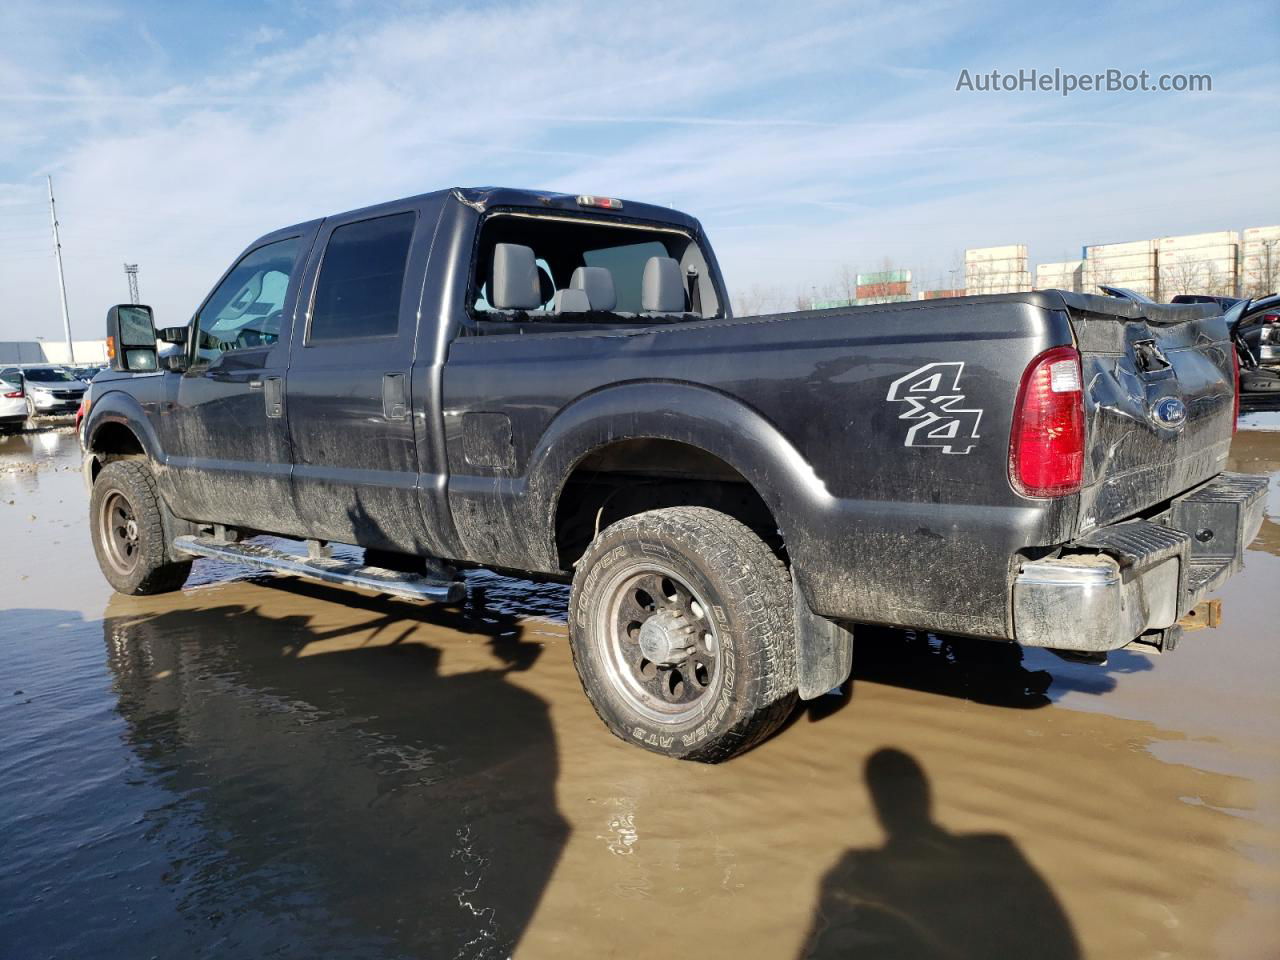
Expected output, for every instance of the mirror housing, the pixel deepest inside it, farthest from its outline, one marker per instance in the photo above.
(131, 338)
(175, 362)
(174, 335)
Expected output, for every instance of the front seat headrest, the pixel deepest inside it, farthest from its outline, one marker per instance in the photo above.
(662, 290)
(598, 283)
(514, 283)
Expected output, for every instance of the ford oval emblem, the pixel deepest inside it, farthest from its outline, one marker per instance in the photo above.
(1169, 412)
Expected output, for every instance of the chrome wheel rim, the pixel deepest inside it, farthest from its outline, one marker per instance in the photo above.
(118, 532)
(658, 644)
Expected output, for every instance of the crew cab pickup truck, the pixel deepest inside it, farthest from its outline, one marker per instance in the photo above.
(555, 386)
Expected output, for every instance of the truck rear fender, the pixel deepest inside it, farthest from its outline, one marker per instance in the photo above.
(701, 418)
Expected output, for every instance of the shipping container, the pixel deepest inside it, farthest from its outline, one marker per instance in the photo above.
(884, 276)
(1126, 249)
(1014, 251)
(1193, 241)
(883, 289)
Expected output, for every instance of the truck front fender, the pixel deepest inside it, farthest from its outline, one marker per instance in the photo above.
(122, 409)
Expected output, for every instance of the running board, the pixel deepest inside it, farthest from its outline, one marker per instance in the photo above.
(409, 586)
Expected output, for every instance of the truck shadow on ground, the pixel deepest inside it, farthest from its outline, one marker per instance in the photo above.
(339, 795)
(982, 671)
(930, 893)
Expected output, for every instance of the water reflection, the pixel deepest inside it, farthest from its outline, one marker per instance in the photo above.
(931, 893)
(355, 802)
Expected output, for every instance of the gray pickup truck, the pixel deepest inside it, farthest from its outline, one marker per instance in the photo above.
(555, 386)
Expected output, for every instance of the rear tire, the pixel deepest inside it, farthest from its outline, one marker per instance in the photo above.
(126, 521)
(681, 627)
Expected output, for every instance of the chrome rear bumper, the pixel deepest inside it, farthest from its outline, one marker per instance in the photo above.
(1133, 578)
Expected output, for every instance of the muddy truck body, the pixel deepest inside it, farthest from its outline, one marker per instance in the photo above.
(555, 386)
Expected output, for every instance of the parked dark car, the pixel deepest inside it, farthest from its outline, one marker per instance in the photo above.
(86, 373)
(555, 385)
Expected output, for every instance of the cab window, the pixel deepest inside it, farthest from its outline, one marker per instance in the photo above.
(247, 308)
(361, 277)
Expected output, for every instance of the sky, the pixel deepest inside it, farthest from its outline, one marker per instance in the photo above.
(807, 137)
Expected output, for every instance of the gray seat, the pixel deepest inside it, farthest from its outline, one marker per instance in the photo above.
(514, 283)
(598, 284)
(570, 300)
(662, 289)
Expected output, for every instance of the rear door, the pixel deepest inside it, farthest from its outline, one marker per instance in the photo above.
(349, 391)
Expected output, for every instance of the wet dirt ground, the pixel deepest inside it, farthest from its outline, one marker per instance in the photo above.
(258, 767)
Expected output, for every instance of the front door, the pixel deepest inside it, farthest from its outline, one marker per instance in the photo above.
(349, 391)
(224, 428)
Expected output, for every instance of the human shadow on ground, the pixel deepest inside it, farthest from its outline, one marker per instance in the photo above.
(930, 893)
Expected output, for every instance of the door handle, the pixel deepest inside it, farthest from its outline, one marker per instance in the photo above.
(394, 402)
(273, 397)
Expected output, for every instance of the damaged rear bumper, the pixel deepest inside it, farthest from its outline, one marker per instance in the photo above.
(1138, 577)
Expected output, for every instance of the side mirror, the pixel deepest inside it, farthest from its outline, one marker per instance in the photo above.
(131, 338)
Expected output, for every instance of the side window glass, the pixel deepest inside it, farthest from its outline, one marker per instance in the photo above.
(361, 276)
(247, 308)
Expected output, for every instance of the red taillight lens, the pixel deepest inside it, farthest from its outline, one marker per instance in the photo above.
(14, 395)
(1235, 403)
(1046, 445)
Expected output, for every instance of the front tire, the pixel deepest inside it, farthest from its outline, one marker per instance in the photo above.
(126, 521)
(680, 623)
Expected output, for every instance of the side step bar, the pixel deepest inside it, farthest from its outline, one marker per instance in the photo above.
(409, 586)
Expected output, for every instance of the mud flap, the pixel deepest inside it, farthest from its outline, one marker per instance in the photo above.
(824, 649)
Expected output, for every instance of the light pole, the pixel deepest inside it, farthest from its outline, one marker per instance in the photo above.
(62, 282)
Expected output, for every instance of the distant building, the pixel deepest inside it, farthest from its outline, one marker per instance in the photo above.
(52, 351)
(996, 270)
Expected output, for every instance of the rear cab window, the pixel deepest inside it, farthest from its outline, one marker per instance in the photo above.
(589, 270)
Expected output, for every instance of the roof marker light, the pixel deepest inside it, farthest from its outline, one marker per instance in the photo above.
(604, 203)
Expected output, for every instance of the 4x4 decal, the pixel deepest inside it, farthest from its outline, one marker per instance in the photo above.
(936, 408)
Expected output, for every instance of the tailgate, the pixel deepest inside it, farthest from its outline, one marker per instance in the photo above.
(1159, 401)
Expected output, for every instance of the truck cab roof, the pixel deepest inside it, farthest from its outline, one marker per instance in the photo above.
(484, 199)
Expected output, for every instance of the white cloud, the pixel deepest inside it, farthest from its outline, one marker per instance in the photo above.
(804, 137)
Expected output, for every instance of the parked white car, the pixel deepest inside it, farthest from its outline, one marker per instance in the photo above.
(52, 391)
(13, 400)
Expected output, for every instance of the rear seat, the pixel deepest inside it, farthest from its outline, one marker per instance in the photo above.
(597, 282)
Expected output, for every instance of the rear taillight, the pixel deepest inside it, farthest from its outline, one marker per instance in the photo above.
(1046, 445)
(16, 394)
(1235, 403)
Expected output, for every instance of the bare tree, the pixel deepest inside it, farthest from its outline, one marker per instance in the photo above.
(1262, 270)
(759, 299)
(1182, 275)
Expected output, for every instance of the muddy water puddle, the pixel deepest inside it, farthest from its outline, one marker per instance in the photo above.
(262, 767)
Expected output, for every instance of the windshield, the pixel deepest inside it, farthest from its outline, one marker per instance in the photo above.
(49, 376)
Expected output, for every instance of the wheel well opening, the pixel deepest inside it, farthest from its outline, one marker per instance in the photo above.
(114, 441)
(631, 476)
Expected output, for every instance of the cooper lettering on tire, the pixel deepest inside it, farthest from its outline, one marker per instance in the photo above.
(682, 633)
